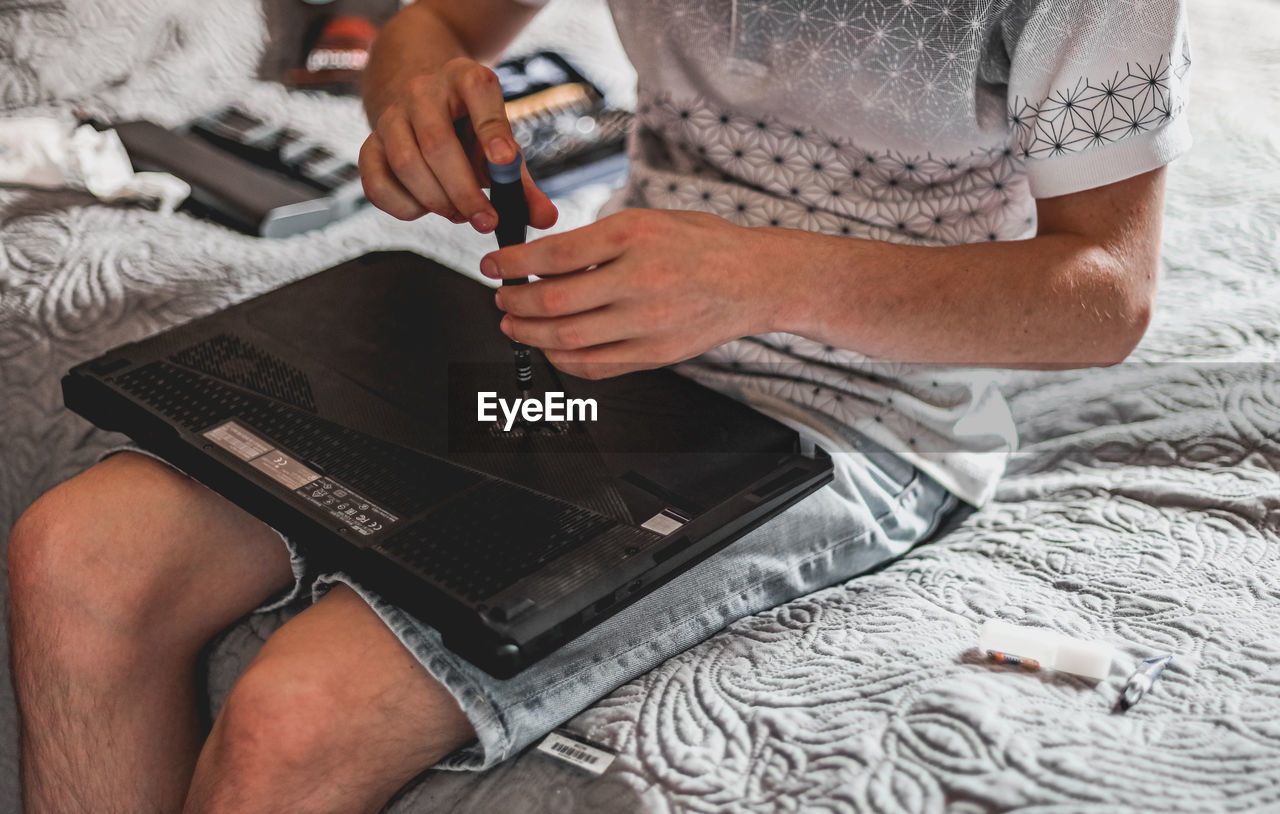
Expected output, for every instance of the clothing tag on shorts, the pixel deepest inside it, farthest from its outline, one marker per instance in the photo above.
(594, 759)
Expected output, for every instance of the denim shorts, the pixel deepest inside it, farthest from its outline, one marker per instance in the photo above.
(876, 508)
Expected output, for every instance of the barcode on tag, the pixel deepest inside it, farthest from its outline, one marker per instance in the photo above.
(591, 758)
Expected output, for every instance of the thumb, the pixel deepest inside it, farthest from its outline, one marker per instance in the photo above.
(542, 212)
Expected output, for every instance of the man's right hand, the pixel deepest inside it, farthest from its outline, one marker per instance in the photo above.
(428, 147)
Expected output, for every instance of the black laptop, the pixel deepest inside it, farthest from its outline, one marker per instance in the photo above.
(360, 411)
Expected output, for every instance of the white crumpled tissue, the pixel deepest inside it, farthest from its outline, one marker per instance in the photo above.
(43, 152)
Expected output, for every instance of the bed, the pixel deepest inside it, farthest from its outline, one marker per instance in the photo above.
(1142, 509)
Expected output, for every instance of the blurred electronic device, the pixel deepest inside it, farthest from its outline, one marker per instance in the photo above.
(337, 58)
(321, 45)
(569, 135)
(257, 177)
(282, 150)
(270, 180)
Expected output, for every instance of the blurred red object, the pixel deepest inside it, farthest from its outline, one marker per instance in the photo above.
(339, 56)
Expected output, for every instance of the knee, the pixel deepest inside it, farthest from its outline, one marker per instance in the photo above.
(278, 727)
(70, 559)
(44, 559)
(41, 554)
(275, 739)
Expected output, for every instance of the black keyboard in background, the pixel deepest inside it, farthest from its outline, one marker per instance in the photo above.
(278, 149)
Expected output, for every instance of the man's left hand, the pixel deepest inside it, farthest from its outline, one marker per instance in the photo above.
(640, 289)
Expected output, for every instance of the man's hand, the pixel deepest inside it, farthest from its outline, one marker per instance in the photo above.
(417, 160)
(640, 289)
(437, 113)
(645, 288)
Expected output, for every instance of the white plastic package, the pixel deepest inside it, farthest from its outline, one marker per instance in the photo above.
(45, 152)
(1038, 648)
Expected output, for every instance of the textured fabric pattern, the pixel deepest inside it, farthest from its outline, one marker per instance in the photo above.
(815, 182)
(1143, 508)
(915, 121)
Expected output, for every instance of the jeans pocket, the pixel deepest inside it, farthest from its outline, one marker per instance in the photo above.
(891, 473)
(888, 470)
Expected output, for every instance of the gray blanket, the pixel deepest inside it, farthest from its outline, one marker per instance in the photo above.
(1143, 509)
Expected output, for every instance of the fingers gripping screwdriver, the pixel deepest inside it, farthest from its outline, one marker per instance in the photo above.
(506, 193)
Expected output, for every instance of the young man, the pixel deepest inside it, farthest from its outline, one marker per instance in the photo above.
(820, 192)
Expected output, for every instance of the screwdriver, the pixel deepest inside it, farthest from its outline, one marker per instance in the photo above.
(506, 193)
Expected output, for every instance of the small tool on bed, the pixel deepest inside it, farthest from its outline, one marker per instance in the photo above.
(1143, 679)
(506, 193)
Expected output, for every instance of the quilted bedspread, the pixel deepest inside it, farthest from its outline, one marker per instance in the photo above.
(1143, 508)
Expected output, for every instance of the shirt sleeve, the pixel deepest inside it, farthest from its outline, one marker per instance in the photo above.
(1097, 89)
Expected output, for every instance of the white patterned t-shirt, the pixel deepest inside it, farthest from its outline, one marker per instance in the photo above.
(933, 122)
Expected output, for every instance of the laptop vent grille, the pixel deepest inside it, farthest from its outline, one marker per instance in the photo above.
(232, 359)
(400, 479)
(489, 537)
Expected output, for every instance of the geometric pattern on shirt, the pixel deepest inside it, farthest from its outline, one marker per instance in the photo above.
(1093, 112)
(904, 67)
(757, 170)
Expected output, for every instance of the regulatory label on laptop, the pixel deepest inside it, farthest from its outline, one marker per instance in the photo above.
(283, 468)
(238, 441)
(357, 512)
(594, 759)
(354, 511)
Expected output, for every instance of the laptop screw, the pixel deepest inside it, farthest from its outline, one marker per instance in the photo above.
(629, 551)
(342, 530)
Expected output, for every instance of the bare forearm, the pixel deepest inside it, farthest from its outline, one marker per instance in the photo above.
(1057, 300)
(426, 35)
(414, 42)
(1079, 294)
(437, 113)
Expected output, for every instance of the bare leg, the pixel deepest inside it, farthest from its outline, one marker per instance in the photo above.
(117, 578)
(334, 715)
